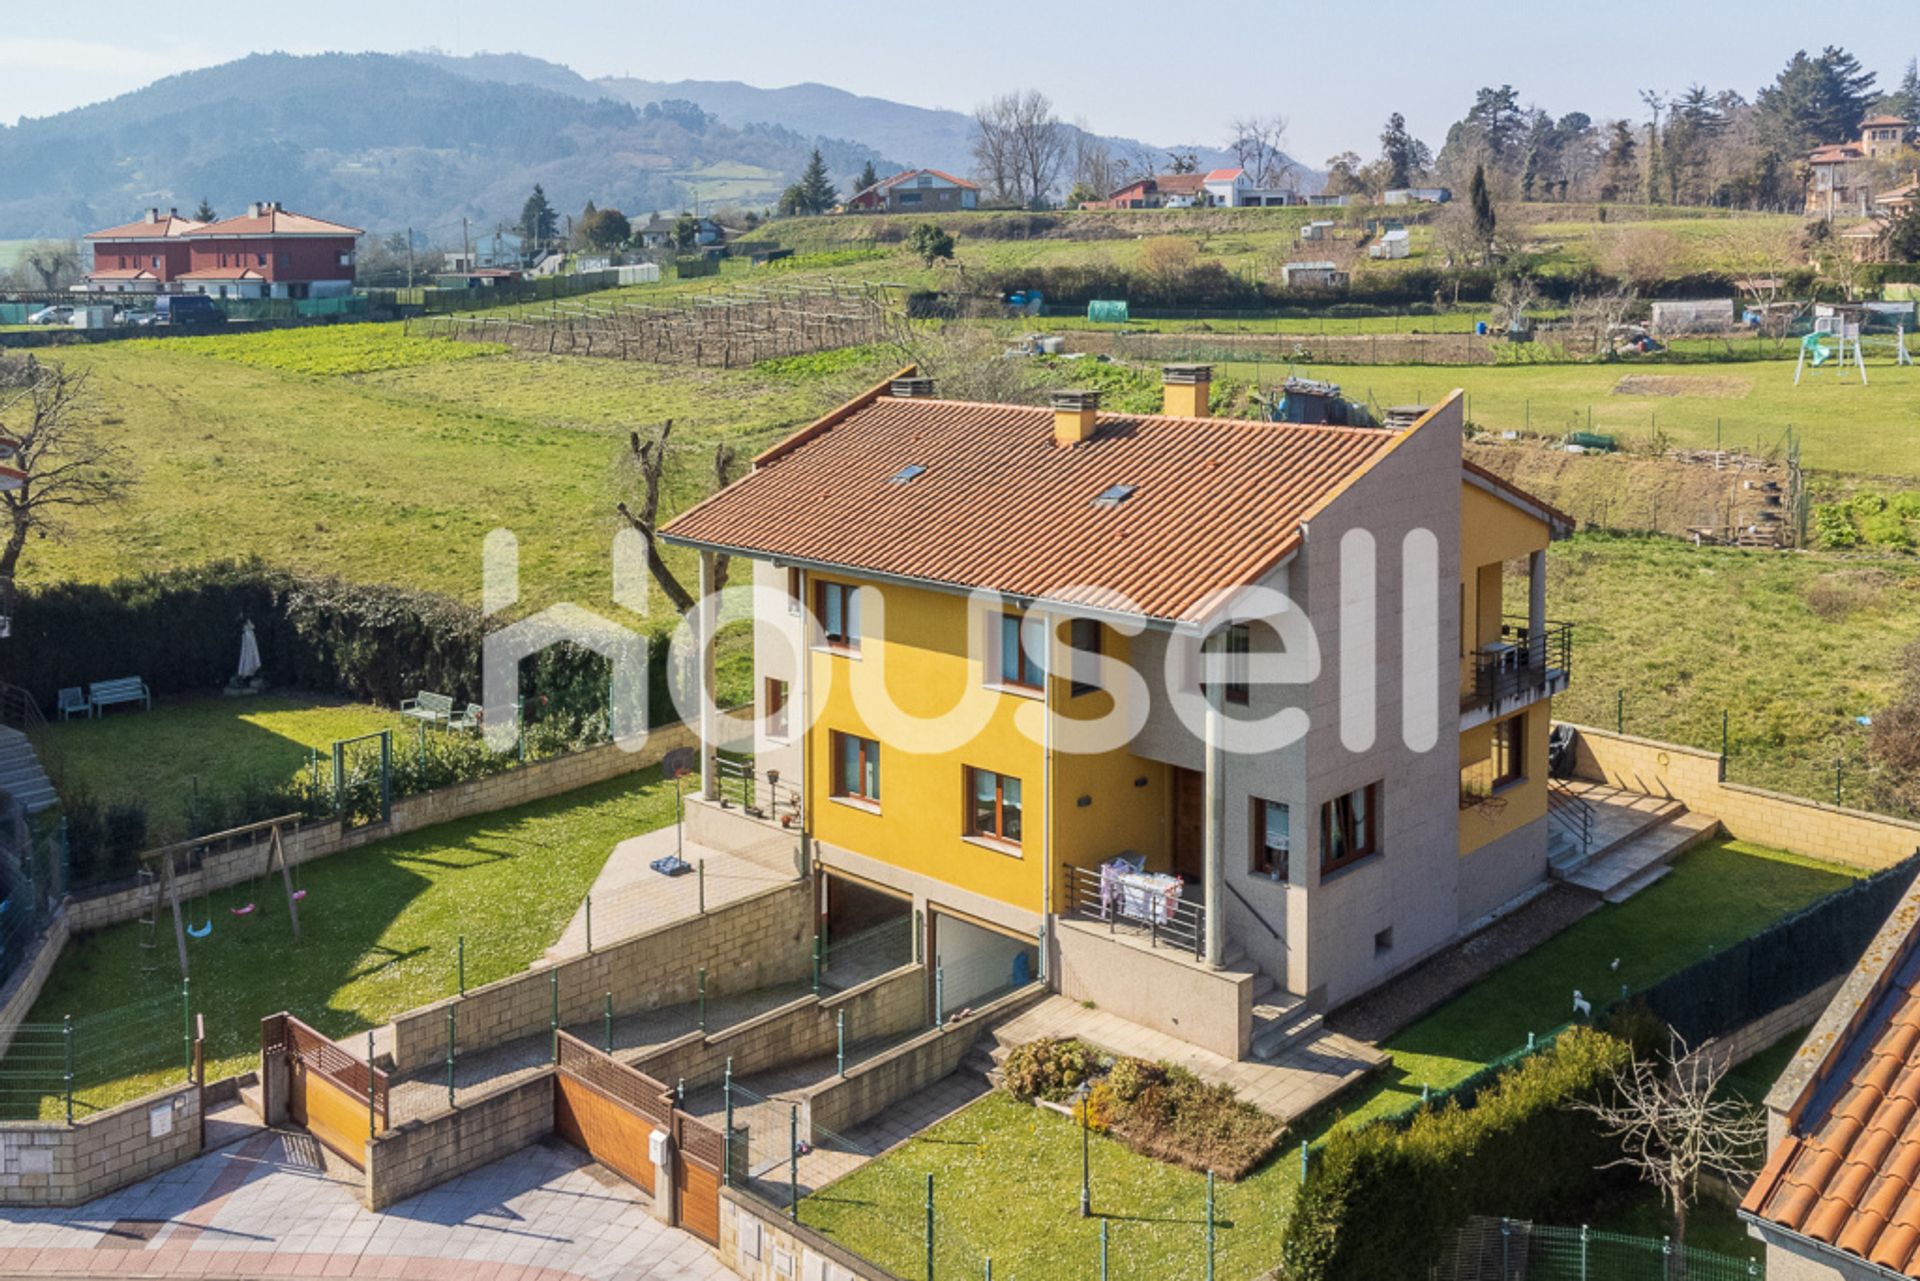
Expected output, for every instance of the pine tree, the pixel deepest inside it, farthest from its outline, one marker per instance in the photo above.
(537, 219)
(866, 179)
(1481, 200)
(816, 189)
(1405, 156)
(205, 212)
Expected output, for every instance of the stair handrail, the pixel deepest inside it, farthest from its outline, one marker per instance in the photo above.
(1251, 908)
(1562, 798)
(19, 709)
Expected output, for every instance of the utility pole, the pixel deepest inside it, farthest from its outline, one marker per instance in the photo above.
(466, 244)
(409, 257)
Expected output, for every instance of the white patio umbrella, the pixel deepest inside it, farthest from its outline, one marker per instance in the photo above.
(249, 653)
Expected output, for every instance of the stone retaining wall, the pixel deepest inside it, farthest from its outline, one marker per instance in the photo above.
(427, 1151)
(760, 1243)
(24, 984)
(51, 1164)
(759, 941)
(802, 1029)
(1697, 779)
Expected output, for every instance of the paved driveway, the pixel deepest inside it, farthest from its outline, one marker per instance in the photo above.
(276, 1204)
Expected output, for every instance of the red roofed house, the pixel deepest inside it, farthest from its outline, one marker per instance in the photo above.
(915, 191)
(1841, 177)
(1157, 191)
(1839, 1196)
(140, 257)
(1236, 188)
(267, 252)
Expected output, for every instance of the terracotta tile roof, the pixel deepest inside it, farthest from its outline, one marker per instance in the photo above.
(122, 273)
(275, 222)
(171, 225)
(1840, 151)
(221, 273)
(1216, 502)
(1181, 184)
(1847, 1174)
(1224, 175)
(1882, 120)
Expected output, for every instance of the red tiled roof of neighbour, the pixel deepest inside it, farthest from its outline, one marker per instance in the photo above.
(221, 273)
(1839, 151)
(171, 225)
(1224, 175)
(894, 180)
(122, 273)
(1216, 503)
(1847, 1174)
(275, 222)
(1882, 121)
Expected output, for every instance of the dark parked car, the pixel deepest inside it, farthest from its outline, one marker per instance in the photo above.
(184, 310)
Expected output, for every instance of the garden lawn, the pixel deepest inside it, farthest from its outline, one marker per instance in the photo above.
(1007, 1187)
(380, 934)
(1716, 895)
(215, 746)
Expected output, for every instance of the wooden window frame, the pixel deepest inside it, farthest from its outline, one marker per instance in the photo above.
(1081, 630)
(849, 639)
(779, 723)
(1363, 849)
(1507, 761)
(1258, 863)
(1021, 657)
(845, 789)
(997, 836)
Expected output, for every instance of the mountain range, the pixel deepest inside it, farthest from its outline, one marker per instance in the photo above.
(424, 140)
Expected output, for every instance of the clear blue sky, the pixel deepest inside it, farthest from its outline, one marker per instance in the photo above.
(1159, 71)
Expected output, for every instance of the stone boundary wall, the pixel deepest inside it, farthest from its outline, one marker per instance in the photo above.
(1761, 1035)
(871, 1087)
(427, 1151)
(754, 942)
(537, 781)
(1697, 779)
(24, 984)
(760, 1243)
(51, 1164)
(802, 1029)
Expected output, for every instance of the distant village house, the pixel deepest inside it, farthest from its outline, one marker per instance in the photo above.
(915, 191)
(267, 252)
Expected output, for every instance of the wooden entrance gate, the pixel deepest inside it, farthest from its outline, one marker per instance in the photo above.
(340, 1099)
(610, 1111)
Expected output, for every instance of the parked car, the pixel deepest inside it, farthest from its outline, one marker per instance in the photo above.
(185, 310)
(55, 315)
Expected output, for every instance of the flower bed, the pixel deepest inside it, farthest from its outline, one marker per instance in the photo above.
(1157, 1109)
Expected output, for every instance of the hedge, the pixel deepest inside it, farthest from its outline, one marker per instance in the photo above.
(180, 631)
(1382, 1201)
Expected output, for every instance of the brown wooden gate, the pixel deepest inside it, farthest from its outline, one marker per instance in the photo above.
(327, 1087)
(610, 1110)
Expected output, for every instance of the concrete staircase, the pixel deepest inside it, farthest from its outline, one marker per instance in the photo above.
(1281, 1021)
(21, 775)
(1634, 840)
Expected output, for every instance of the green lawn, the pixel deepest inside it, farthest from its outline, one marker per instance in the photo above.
(213, 745)
(1717, 894)
(1007, 1187)
(380, 929)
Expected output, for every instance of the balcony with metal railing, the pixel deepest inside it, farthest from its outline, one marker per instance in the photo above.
(1524, 665)
(1151, 908)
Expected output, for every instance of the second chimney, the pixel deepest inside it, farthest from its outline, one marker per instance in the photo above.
(1074, 413)
(1184, 390)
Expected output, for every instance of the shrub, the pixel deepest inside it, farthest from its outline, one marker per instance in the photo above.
(1129, 1076)
(1049, 1068)
(86, 837)
(1382, 1202)
(1178, 1117)
(1833, 527)
(125, 827)
(1099, 1107)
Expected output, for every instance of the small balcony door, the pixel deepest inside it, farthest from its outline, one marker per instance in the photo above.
(1189, 823)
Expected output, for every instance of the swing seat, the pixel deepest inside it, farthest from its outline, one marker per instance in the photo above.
(243, 910)
(205, 929)
(298, 895)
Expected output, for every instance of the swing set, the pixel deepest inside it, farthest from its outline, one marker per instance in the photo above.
(164, 869)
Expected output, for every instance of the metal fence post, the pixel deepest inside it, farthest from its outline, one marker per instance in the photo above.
(793, 1162)
(450, 1053)
(1103, 1250)
(816, 962)
(929, 1227)
(1583, 1252)
(373, 1115)
(1305, 1146)
(1040, 945)
(1506, 1249)
(919, 936)
(553, 985)
(1620, 711)
(186, 1024)
(1836, 782)
(700, 872)
(66, 1029)
(589, 925)
(609, 1021)
(939, 993)
(840, 1042)
(1209, 1225)
(703, 998)
(726, 1135)
(463, 965)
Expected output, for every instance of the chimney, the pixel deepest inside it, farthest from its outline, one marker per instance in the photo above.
(173, 212)
(255, 209)
(1073, 415)
(153, 215)
(1184, 390)
(916, 388)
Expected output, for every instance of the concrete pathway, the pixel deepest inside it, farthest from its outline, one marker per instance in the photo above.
(277, 1204)
(630, 897)
(1293, 1084)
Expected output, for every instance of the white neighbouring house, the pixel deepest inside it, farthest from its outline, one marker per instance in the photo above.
(1235, 189)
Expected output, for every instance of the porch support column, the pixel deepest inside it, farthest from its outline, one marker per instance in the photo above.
(707, 623)
(1214, 828)
(1537, 604)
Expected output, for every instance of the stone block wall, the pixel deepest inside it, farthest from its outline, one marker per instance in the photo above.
(24, 984)
(755, 942)
(760, 1243)
(49, 1164)
(427, 1151)
(1697, 779)
(802, 1029)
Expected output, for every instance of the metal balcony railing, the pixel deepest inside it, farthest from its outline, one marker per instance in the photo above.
(1523, 662)
(760, 793)
(1103, 894)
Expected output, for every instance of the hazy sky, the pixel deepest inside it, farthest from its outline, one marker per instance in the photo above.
(1151, 69)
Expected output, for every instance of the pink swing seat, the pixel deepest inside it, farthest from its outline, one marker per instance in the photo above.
(244, 910)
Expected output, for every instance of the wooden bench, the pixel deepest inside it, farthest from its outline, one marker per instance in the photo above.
(73, 702)
(435, 709)
(125, 689)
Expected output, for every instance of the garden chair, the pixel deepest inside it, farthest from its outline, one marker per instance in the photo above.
(73, 702)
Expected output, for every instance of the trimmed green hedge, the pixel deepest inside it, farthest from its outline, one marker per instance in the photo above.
(1382, 1201)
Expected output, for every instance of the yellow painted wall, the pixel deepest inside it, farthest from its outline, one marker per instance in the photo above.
(1120, 816)
(1492, 532)
(920, 824)
(1520, 802)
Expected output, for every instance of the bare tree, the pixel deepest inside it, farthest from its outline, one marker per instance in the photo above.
(649, 458)
(48, 265)
(1600, 315)
(1019, 146)
(66, 462)
(1256, 142)
(1673, 1129)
